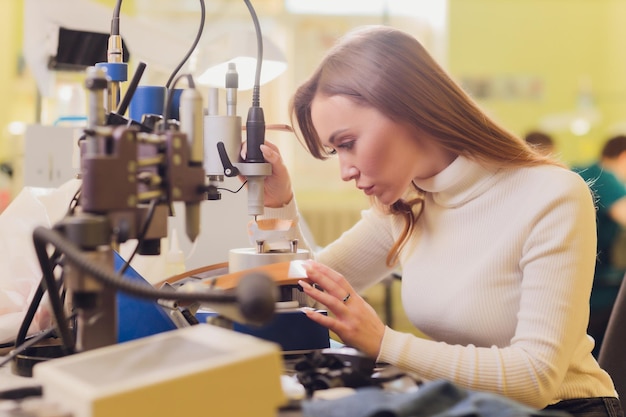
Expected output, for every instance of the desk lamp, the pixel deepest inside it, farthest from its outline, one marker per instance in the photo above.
(239, 48)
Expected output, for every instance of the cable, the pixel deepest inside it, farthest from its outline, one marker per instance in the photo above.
(6, 345)
(74, 202)
(259, 44)
(30, 313)
(193, 46)
(34, 304)
(255, 122)
(170, 94)
(30, 342)
(115, 21)
(142, 234)
(21, 393)
(235, 191)
(53, 293)
(41, 288)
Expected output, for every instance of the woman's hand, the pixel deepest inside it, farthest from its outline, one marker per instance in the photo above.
(278, 190)
(354, 321)
(277, 186)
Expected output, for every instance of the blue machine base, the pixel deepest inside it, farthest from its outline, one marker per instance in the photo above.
(138, 317)
(291, 329)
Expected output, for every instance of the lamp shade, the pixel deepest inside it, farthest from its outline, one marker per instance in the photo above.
(238, 47)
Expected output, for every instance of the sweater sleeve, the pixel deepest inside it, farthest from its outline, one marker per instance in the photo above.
(362, 264)
(360, 253)
(549, 340)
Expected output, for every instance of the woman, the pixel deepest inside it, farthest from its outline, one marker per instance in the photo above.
(496, 243)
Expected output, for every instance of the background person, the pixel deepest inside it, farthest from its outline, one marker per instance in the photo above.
(606, 178)
(540, 141)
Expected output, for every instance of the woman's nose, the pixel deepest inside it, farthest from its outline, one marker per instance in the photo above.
(348, 171)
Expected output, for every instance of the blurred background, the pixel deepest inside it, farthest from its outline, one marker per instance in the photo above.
(553, 65)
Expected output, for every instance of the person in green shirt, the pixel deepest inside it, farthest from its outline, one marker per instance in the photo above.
(607, 178)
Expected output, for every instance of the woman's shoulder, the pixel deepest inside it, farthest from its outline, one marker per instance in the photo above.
(554, 179)
(549, 172)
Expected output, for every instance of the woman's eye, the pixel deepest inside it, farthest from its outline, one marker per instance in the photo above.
(347, 145)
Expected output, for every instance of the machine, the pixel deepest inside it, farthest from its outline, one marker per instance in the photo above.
(132, 172)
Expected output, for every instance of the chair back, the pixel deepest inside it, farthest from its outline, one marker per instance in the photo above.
(612, 355)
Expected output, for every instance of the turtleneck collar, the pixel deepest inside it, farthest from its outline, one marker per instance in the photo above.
(460, 182)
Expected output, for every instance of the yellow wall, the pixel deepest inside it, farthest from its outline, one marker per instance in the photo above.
(11, 87)
(560, 43)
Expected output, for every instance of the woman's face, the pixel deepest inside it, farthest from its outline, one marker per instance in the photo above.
(380, 155)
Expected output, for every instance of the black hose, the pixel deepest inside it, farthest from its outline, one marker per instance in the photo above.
(56, 304)
(42, 236)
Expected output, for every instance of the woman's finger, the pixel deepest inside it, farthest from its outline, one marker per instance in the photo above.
(336, 300)
(322, 296)
(319, 318)
(270, 154)
(332, 281)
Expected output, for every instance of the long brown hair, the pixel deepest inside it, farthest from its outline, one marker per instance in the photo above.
(389, 70)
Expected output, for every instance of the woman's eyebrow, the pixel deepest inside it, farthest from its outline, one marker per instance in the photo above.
(333, 136)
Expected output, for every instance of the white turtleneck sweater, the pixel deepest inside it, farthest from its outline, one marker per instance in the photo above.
(498, 274)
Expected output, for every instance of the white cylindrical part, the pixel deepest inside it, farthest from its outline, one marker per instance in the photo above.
(226, 129)
(256, 195)
(213, 107)
(246, 258)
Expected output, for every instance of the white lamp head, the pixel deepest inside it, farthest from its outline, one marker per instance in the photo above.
(240, 48)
